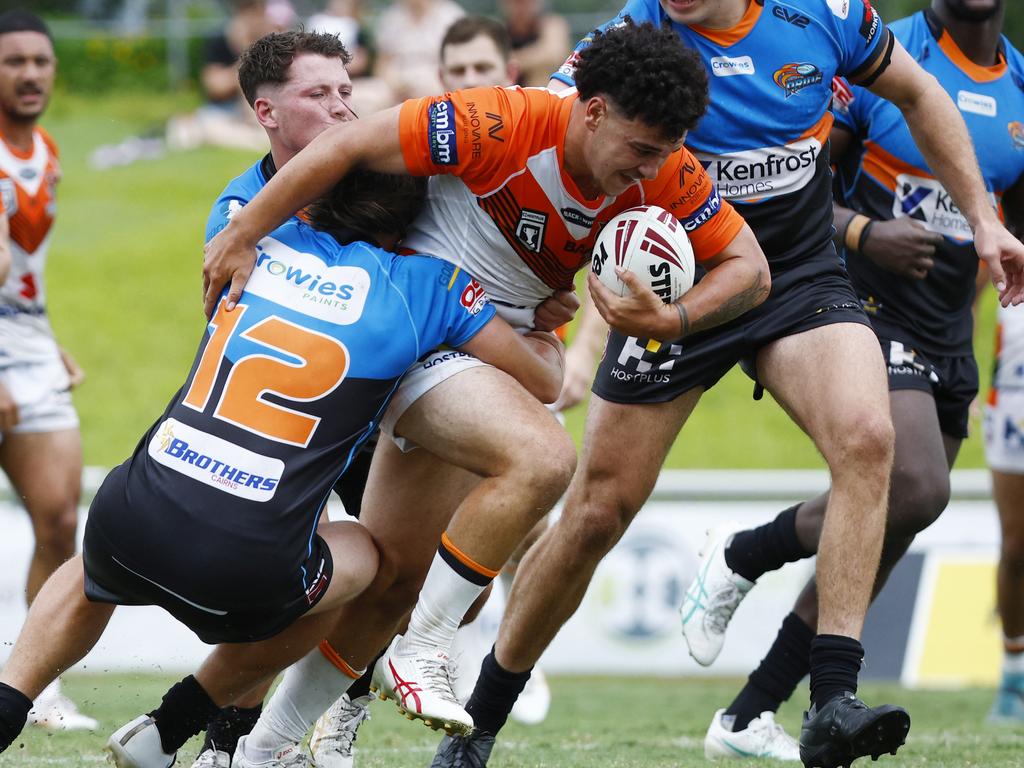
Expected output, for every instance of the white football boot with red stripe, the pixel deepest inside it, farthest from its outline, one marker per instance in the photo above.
(419, 680)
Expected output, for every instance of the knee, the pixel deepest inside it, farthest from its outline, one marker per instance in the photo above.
(546, 469)
(55, 530)
(359, 562)
(865, 442)
(917, 497)
(596, 524)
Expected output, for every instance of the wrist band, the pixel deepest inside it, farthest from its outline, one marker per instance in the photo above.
(864, 236)
(854, 229)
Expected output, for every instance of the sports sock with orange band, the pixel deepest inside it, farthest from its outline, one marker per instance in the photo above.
(309, 687)
(453, 583)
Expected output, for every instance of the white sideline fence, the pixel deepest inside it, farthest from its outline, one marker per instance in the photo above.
(629, 620)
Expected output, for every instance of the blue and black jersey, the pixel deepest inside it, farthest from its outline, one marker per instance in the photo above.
(282, 392)
(886, 177)
(764, 139)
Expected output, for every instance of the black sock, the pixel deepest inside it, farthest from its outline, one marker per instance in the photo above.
(495, 694)
(361, 687)
(778, 675)
(185, 710)
(14, 707)
(753, 553)
(835, 663)
(229, 725)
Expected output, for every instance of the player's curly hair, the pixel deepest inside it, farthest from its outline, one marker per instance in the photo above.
(648, 73)
(266, 61)
(371, 203)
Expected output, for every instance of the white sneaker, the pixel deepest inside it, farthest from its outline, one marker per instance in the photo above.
(712, 598)
(334, 734)
(420, 683)
(531, 708)
(212, 758)
(137, 745)
(291, 756)
(762, 737)
(56, 712)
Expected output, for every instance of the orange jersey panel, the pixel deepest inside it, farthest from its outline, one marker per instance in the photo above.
(502, 206)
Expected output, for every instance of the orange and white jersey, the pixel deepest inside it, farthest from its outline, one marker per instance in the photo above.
(28, 183)
(501, 205)
(1009, 350)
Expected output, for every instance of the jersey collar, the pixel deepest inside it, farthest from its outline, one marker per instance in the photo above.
(949, 47)
(727, 37)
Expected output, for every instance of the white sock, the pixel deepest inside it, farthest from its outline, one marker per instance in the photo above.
(443, 601)
(309, 687)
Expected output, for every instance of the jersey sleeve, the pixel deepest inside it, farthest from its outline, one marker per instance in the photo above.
(638, 10)
(447, 305)
(228, 202)
(471, 134)
(865, 42)
(851, 106)
(684, 189)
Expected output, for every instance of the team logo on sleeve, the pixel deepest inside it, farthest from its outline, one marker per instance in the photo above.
(793, 78)
(473, 298)
(568, 68)
(704, 214)
(869, 26)
(842, 95)
(1015, 128)
(441, 133)
(530, 229)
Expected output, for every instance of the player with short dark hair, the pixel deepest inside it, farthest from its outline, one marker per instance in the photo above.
(912, 260)
(764, 141)
(268, 61)
(521, 182)
(475, 51)
(40, 446)
(282, 393)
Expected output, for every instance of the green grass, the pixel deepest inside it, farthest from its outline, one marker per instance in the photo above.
(600, 722)
(124, 285)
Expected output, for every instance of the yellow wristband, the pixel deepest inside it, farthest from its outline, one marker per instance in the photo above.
(854, 229)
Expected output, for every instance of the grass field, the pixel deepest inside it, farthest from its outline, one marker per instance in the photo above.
(124, 287)
(600, 722)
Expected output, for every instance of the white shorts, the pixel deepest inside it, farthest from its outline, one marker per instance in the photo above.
(1004, 432)
(419, 379)
(42, 392)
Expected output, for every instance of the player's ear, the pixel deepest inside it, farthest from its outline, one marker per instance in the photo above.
(595, 111)
(264, 110)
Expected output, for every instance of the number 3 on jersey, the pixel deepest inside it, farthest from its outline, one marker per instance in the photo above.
(321, 365)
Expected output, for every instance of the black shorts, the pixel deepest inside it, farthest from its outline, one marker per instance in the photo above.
(206, 581)
(816, 293)
(952, 381)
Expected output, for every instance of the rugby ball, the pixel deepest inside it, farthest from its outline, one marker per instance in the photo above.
(650, 242)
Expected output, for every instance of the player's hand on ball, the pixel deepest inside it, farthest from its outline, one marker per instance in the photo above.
(902, 246)
(228, 256)
(639, 313)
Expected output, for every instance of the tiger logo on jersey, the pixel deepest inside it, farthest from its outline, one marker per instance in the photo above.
(793, 78)
(1016, 130)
